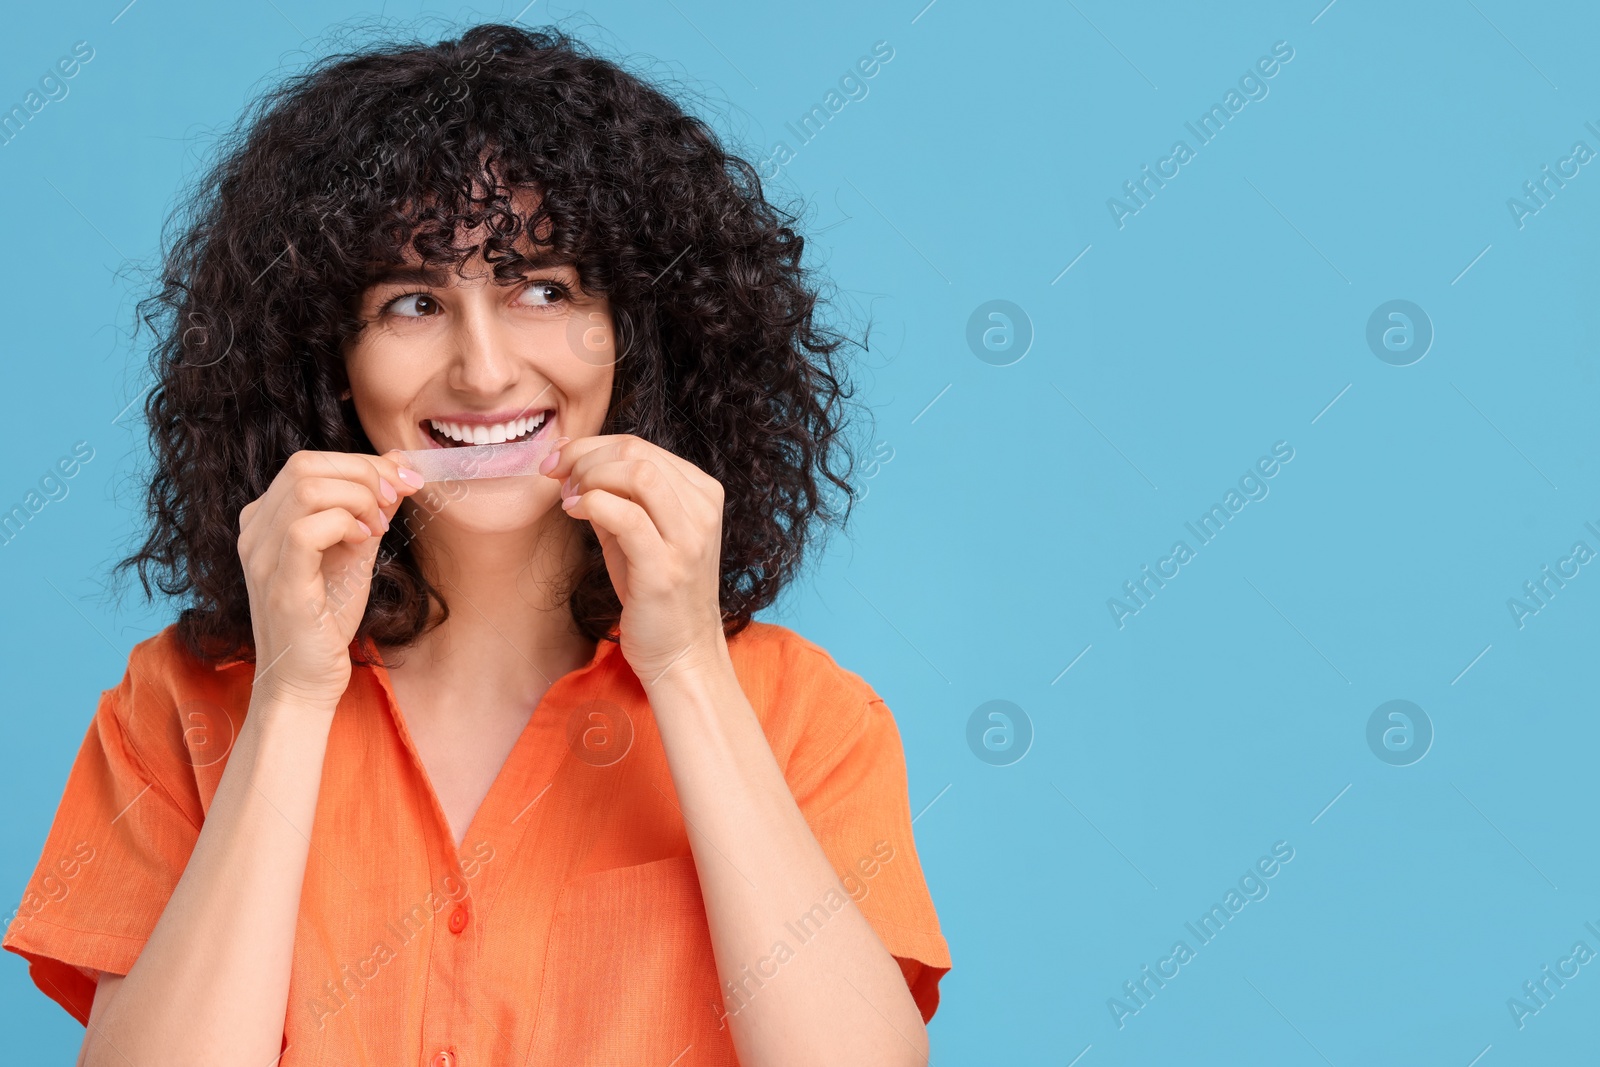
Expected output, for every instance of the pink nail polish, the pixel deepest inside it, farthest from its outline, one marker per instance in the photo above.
(389, 495)
(568, 501)
(364, 527)
(411, 477)
(548, 463)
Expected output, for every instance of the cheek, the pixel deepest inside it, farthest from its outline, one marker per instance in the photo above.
(590, 344)
(591, 392)
(381, 387)
(586, 376)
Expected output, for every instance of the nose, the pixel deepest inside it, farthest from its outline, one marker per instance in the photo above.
(482, 361)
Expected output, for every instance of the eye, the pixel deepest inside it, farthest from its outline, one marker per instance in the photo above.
(411, 306)
(544, 294)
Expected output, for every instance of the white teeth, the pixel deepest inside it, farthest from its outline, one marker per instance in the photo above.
(499, 433)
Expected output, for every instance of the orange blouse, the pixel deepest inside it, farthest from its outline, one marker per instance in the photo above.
(569, 927)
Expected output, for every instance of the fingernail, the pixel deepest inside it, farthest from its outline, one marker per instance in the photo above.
(411, 477)
(385, 519)
(389, 495)
(548, 463)
(566, 487)
(568, 501)
(364, 527)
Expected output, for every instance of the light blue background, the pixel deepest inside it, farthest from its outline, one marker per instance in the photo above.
(1223, 317)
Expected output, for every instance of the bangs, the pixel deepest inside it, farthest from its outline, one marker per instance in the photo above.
(435, 215)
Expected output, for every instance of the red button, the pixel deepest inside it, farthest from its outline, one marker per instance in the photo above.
(445, 1058)
(458, 922)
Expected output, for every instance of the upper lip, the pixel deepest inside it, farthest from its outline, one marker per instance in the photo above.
(490, 419)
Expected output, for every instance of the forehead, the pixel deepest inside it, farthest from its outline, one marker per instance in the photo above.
(412, 269)
(415, 272)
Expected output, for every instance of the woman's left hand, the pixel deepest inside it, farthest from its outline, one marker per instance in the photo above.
(659, 521)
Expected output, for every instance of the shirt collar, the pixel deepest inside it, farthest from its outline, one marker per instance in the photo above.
(367, 649)
(247, 655)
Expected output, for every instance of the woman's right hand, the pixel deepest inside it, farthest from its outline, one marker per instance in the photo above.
(308, 546)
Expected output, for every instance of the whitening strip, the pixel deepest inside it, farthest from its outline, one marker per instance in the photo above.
(478, 461)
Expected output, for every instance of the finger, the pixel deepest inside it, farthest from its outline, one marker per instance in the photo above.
(308, 537)
(311, 495)
(246, 537)
(574, 450)
(269, 513)
(627, 522)
(646, 483)
(700, 495)
(616, 559)
(312, 463)
(405, 479)
(371, 471)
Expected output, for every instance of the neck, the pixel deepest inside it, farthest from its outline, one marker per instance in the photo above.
(510, 628)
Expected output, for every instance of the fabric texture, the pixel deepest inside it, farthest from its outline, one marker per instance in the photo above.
(569, 926)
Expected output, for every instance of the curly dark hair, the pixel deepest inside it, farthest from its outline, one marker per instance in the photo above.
(333, 174)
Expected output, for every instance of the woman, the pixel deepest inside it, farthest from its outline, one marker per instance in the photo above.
(500, 770)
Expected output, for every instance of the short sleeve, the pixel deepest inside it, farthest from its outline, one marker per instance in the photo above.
(853, 793)
(122, 834)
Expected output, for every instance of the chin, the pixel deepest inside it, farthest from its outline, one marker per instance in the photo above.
(494, 505)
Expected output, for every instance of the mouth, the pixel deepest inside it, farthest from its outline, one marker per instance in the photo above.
(465, 431)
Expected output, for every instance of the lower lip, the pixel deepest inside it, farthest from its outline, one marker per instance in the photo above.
(506, 459)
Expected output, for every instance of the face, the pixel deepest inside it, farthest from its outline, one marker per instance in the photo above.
(451, 359)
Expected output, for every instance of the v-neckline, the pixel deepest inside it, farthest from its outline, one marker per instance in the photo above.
(524, 751)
